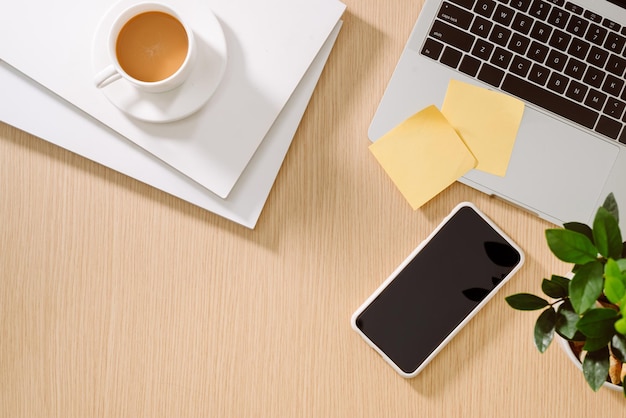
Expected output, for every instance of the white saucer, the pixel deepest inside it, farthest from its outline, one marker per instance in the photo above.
(203, 80)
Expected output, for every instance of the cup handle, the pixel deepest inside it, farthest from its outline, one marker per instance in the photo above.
(106, 77)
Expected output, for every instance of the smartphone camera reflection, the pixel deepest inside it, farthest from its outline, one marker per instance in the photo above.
(501, 255)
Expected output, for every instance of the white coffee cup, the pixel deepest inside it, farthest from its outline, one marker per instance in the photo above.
(151, 47)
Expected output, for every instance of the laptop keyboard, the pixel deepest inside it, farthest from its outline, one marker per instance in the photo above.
(552, 53)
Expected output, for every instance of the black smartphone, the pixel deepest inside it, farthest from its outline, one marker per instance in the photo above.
(437, 289)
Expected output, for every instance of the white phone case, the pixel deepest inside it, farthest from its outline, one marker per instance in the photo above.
(404, 264)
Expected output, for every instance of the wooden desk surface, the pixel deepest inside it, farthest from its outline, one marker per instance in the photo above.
(118, 300)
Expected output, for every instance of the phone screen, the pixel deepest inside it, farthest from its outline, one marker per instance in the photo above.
(444, 282)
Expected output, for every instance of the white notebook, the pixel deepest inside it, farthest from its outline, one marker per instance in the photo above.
(34, 109)
(270, 45)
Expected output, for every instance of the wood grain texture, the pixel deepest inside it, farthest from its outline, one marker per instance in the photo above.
(118, 300)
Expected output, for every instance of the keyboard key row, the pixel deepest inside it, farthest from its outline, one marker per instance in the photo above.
(563, 58)
(517, 64)
(577, 95)
(602, 33)
(549, 101)
(558, 16)
(539, 49)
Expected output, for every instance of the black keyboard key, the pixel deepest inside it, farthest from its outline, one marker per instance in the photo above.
(552, 102)
(540, 10)
(501, 58)
(481, 27)
(616, 65)
(482, 49)
(577, 26)
(597, 56)
(503, 15)
(614, 108)
(520, 66)
(558, 18)
(573, 8)
(556, 60)
(451, 57)
(468, 4)
(469, 65)
(579, 48)
(521, 5)
(500, 35)
(609, 127)
(594, 77)
(519, 43)
(485, 7)
(557, 2)
(451, 36)
(576, 91)
(455, 15)
(560, 40)
(558, 83)
(596, 34)
(594, 17)
(432, 48)
(615, 43)
(541, 32)
(595, 99)
(613, 85)
(491, 75)
(575, 68)
(537, 52)
(611, 25)
(522, 23)
(539, 74)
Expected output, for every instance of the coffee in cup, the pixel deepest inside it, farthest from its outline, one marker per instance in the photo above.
(150, 47)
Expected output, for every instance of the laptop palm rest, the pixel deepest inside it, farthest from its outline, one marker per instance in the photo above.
(551, 166)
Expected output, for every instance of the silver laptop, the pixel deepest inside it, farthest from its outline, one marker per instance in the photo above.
(565, 60)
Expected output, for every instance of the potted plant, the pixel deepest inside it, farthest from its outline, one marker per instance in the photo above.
(588, 311)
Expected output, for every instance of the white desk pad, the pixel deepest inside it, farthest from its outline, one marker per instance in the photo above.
(34, 109)
(270, 45)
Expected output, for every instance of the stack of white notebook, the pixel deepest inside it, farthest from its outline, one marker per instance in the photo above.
(261, 62)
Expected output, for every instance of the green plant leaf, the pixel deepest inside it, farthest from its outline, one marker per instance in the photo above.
(566, 320)
(580, 228)
(610, 204)
(526, 302)
(596, 367)
(618, 347)
(561, 281)
(593, 344)
(606, 234)
(586, 286)
(570, 246)
(620, 326)
(614, 282)
(598, 323)
(553, 289)
(544, 329)
(622, 264)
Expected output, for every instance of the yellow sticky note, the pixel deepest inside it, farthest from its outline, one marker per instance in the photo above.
(487, 121)
(423, 155)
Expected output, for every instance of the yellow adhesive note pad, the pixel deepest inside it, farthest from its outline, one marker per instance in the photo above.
(487, 121)
(423, 155)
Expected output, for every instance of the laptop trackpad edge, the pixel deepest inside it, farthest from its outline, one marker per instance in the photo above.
(556, 169)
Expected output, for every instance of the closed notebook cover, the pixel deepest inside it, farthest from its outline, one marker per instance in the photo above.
(34, 109)
(269, 44)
